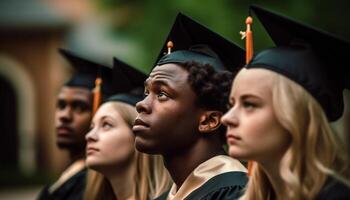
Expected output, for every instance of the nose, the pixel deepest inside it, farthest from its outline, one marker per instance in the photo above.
(65, 115)
(230, 118)
(91, 136)
(144, 106)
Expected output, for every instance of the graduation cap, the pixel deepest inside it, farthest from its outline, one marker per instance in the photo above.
(130, 83)
(309, 56)
(86, 71)
(188, 40)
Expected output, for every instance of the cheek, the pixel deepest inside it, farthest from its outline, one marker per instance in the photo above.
(118, 147)
(82, 121)
(262, 136)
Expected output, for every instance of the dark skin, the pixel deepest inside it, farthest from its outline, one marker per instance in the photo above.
(73, 116)
(173, 125)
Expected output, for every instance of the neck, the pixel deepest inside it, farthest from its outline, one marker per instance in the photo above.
(122, 181)
(180, 165)
(76, 155)
(272, 170)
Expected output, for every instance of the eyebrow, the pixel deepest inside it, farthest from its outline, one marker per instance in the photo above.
(156, 82)
(246, 96)
(104, 117)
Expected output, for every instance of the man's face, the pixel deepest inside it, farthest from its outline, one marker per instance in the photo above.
(168, 117)
(73, 117)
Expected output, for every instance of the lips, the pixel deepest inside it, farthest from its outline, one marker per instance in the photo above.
(139, 122)
(232, 139)
(64, 130)
(140, 125)
(91, 150)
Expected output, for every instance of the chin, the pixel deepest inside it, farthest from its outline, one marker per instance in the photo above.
(93, 164)
(144, 147)
(234, 152)
(65, 144)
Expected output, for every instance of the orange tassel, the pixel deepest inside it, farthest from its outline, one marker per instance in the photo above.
(97, 95)
(250, 167)
(249, 40)
(170, 45)
(248, 35)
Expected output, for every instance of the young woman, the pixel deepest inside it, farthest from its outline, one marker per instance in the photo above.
(280, 106)
(123, 172)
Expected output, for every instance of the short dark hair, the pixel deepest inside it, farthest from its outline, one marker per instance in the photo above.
(211, 87)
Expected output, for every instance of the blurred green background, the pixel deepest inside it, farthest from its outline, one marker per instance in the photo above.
(147, 22)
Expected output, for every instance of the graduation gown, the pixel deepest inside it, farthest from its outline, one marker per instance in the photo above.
(72, 188)
(334, 190)
(216, 178)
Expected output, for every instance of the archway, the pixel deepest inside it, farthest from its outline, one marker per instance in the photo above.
(15, 76)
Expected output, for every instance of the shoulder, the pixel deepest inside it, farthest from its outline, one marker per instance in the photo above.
(73, 188)
(334, 189)
(223, 186)
(44, 193)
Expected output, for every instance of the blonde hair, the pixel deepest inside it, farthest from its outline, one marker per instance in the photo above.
(314, 153)
(151, 178)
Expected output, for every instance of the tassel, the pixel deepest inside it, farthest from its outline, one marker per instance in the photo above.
(248, 35)
(170, 45)
(97, 95)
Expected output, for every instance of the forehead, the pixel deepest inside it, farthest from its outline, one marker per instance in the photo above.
(72, 93)
(170, 72)
(107, 109)
(255, 81)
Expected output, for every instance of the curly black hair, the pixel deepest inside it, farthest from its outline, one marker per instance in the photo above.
(211, 87)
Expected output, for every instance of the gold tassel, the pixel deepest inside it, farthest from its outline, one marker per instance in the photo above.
(97, 95)
(170, 45)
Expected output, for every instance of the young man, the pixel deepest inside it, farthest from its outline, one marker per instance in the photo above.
(186, 95)
(72, 120)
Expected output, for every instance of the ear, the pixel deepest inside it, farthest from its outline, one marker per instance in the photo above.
(209, 121)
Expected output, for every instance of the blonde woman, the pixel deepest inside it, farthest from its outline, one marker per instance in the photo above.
(120, 172)
(281, 105)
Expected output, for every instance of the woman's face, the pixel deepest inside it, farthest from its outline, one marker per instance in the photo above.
(253, 131)
(110, 142)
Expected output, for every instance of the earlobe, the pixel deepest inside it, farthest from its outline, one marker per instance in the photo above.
(209, 121)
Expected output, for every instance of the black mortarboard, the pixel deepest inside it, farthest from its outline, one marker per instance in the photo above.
(312, 58)
(130, 83)
(86, 72)
(195, 42)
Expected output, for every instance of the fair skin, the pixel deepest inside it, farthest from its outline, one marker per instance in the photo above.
(253, 131)
(110, 149)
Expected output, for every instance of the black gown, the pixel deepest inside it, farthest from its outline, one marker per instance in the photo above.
(72, 189)
(224, 186)
(334, 190)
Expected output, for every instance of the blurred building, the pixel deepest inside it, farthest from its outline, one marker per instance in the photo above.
(31, 72)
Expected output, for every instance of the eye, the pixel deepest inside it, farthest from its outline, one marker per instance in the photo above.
(80, 107)
(106, 125)
(61, 105)
(249, 105)
(162, 96)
